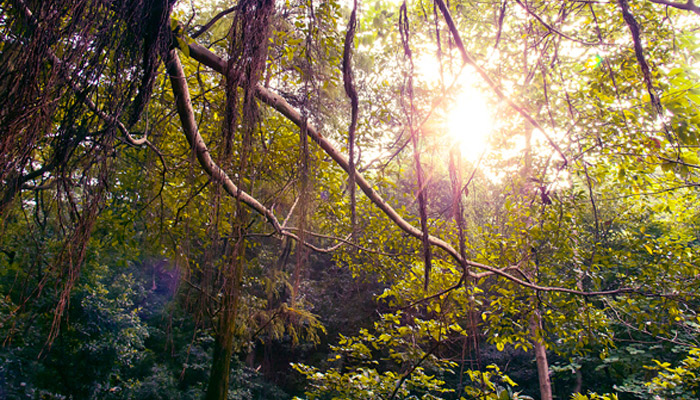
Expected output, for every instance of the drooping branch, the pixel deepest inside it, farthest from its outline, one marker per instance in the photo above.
(189, 126)
(276, 101)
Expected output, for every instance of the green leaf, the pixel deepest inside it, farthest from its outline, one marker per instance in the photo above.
(183, 46)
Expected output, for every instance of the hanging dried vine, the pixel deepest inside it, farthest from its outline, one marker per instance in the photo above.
(404, 30)
(352, 94)
(301, 254)
(53, 133)
(154, 30)
(248, 38)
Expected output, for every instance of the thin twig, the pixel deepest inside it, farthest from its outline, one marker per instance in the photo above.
(555, 30)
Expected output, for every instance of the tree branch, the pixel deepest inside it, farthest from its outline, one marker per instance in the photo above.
(413, 368)
(206, 57)
(189, 126)
(213, 21)
(635, 30)
(688, 6)
(354, 103)
(553, 29)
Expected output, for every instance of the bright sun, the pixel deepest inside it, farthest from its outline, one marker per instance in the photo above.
(469, 122)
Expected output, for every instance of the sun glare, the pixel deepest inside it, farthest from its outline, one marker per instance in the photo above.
(469, 122)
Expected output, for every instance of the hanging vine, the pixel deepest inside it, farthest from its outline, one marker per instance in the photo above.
(421, 194)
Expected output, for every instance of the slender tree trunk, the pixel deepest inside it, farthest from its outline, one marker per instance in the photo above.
(536, 320)
(579, 381)
(540, 357)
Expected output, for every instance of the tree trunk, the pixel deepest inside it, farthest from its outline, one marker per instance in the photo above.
(535, 318)
(579, 381)
(217, 388)
(540, 357)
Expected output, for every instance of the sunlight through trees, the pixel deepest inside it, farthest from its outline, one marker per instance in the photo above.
(325, 199)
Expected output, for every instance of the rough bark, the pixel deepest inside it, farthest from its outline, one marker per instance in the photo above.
(217, 388)
(579, 381)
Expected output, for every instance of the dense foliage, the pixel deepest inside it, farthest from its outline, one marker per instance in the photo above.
(287, 200)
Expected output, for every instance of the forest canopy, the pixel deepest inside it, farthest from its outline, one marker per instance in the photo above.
(318, 199)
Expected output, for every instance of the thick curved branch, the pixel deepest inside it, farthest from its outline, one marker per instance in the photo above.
(275, 101)
(189, 126)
